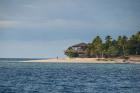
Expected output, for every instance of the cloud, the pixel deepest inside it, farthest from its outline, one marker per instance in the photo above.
(68, 23)
(76, 25)
(7, 23)
(29, 6)
(35, 49)
(50, 24)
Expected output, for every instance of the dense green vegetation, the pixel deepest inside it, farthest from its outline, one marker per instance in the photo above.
(71, 53)
(122, 46)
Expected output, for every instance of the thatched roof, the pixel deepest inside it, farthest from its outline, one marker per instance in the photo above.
(80, 45)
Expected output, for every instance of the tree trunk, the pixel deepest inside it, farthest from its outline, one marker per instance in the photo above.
(97, 56)
(123, 51)
(136, 51)
(102, 55)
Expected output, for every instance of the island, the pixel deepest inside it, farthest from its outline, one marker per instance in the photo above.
(121, 50)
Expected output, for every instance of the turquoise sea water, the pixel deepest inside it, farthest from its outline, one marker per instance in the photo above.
(21, 77)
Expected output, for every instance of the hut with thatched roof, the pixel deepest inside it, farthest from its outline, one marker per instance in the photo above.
(80, 50)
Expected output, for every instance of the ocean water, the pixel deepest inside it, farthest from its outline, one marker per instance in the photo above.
(21, 77)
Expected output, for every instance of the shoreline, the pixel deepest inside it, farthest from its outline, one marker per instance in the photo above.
(85, 60)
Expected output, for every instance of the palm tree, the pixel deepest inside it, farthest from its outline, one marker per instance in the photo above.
(96, 46)
(137, 36)
(122, 43)
(108, 45)
(134, 44)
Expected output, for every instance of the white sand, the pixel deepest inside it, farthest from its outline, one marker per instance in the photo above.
(77, 60)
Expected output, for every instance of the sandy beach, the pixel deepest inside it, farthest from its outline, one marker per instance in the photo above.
(84, 60)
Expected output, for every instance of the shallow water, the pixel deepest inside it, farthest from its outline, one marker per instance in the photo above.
(20, 77)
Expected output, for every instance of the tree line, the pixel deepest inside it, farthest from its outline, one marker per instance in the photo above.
(122, 46)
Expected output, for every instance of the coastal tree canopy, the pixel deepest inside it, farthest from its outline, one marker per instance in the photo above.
(122, 46)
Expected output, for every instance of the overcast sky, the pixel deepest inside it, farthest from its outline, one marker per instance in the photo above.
(45, 28)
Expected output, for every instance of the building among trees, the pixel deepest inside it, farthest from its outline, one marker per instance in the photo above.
(77, 50)
(120, 47)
